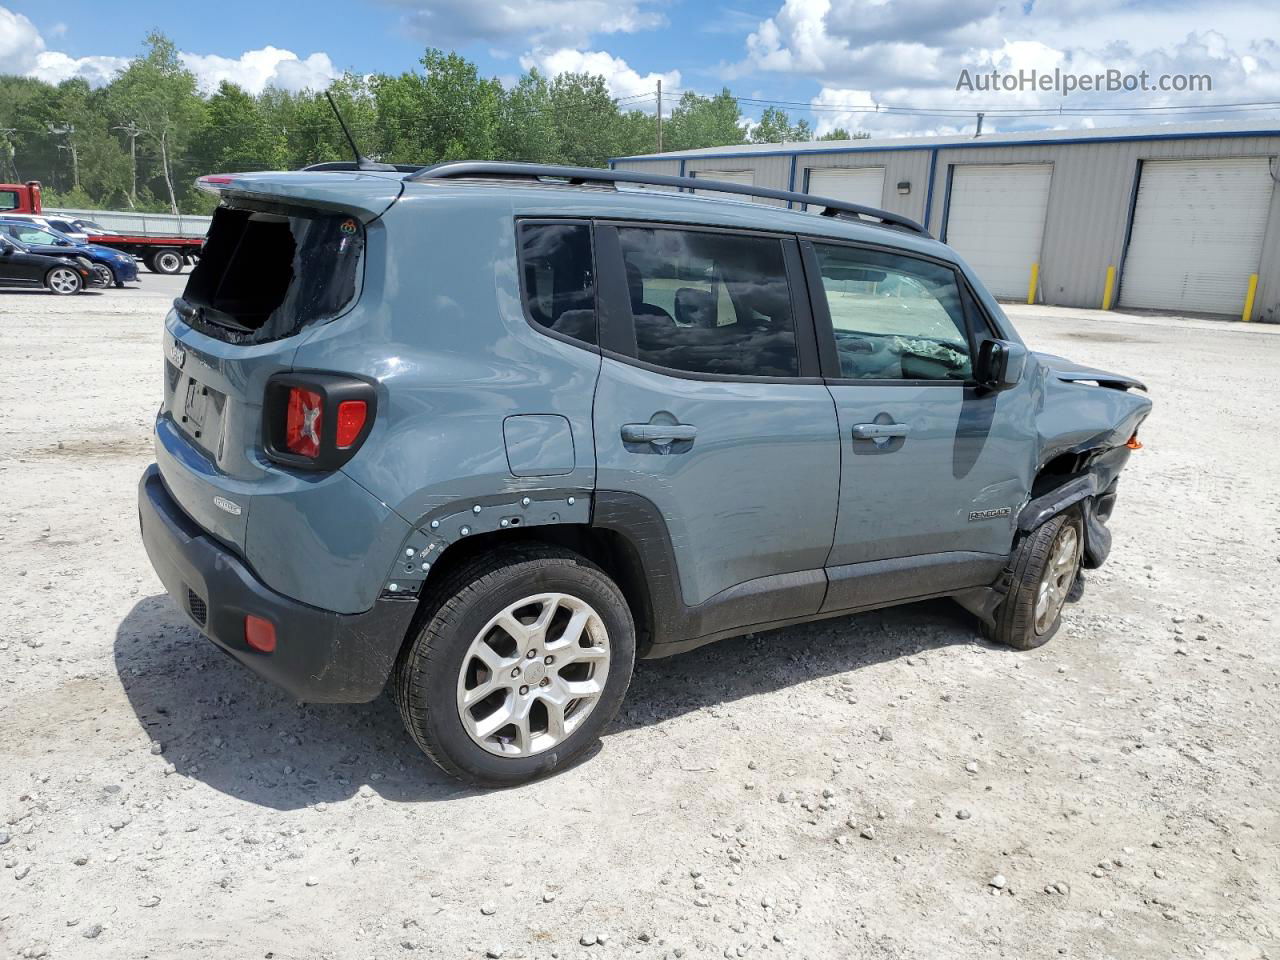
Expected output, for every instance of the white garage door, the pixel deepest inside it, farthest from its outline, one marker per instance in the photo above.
(996, 221)
(1197, 234)
(746, 177)
(864, 185)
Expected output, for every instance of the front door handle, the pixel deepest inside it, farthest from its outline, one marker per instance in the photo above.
(657, 433)
(880, 431)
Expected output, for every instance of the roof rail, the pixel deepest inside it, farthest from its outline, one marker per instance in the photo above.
(584, 175)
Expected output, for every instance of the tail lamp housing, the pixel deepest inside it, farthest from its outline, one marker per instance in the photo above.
(316, 421)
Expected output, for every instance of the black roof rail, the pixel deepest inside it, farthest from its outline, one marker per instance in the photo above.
(341, 165)
(584, 175)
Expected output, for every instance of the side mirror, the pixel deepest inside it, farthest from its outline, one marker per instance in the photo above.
(1000, 364)
(6, 250)
(65, 243)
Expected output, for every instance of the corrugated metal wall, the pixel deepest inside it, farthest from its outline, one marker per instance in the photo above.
(1090, 198)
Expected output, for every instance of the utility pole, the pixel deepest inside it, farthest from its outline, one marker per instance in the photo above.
(977, 133)
(659, 115)
(11, 152)
(69, 131)
(131, 131)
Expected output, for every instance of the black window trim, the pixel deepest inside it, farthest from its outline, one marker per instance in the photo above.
(826, 330)
(617, 329)
(595, 276)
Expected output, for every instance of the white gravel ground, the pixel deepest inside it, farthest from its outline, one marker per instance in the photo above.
(885, 785)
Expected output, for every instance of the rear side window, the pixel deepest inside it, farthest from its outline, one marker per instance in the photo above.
(559, 283)
(894, 317)
(264, 275)
(707, 302)
(8, 200)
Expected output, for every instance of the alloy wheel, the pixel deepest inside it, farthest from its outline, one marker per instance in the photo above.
(64, 280)
(533, 674)
(1059, 573)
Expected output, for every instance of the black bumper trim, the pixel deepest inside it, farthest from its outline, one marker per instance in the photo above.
(320, 656)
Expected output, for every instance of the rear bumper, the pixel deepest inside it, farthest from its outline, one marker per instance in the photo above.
(320, 656)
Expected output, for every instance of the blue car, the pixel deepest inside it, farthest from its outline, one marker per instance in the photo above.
(112, 266)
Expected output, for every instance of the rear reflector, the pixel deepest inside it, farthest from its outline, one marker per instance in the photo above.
(303, 423)
(259, 634)
(351, 417)
(1134, 443)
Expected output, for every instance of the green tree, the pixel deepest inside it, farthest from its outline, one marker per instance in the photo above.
(157, 97)
(776, 127)
(704, 122)
(840, 133)
(236, 133)
(526, 126)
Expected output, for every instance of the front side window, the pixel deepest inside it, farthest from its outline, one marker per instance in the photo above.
(558, 280)
(713, 303)
(894, 317)
(8, 200)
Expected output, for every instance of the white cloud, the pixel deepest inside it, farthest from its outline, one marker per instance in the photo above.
(912, 55)
(255, 70)
(20, 42)
(620, 78)
(54, 67)
(24, 51)
(539, 23)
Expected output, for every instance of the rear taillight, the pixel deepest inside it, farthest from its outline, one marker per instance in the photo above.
(303, 422)
(316, 421)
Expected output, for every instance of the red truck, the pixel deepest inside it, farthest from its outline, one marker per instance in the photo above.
(160, 254)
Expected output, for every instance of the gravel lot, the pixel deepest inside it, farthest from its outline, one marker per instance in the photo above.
(885, 785)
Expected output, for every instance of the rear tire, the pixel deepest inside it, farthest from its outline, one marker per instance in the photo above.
(1046, 565)
(63, 281)
(166, 260)
(520, 660)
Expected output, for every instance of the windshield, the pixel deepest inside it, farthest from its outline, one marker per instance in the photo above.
(31, 234)
(265, 275)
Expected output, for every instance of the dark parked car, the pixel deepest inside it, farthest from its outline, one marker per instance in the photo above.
(62, 275)
(112, 266)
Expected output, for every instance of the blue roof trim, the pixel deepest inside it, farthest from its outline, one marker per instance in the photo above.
(963, 145)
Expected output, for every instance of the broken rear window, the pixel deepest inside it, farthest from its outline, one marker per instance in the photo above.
(265, 275)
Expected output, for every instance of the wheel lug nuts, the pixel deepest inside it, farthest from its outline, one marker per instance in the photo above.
(531, 654)
(515, 671)
(549, 660)
(546, 682)
(523, 691)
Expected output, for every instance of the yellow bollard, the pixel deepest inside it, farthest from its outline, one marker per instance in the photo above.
(1035, 282)
(1110, 287)
(1250, 293)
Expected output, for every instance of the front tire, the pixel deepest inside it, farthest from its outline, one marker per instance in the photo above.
(521, 660)
(1046, 565)
(63, 281)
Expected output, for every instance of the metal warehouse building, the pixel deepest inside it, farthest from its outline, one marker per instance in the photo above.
(1178, 218)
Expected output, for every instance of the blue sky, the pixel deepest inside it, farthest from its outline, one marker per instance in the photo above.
(837, 59)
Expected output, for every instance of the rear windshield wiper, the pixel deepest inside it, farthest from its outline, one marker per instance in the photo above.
(193, 314)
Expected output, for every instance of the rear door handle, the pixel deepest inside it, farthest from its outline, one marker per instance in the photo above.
(880, 431)
(657, 432)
